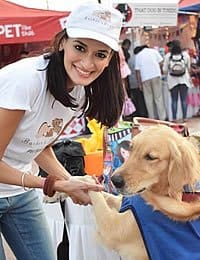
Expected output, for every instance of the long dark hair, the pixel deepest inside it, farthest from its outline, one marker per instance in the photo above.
(104, 96)
(176, 50)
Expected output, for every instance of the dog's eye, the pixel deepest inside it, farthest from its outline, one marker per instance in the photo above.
(150, 157)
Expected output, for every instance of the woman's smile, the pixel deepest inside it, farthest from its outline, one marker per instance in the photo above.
(82, 73)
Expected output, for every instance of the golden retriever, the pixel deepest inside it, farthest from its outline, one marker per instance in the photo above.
(161, 164)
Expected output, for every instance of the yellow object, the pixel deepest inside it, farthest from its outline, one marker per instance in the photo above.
(95, 141)
(93, 147)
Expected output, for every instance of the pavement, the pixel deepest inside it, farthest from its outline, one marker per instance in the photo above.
(193, 126)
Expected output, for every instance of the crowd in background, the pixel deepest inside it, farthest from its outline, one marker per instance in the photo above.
(151, 71)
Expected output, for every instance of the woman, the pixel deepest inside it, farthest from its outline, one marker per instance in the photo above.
(39, 98)
(177, 84)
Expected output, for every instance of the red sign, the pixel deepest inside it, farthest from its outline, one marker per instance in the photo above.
(20, 24)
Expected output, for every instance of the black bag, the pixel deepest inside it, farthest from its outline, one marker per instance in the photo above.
(71, 155)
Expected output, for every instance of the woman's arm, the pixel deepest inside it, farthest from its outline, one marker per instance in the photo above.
(161, 67)
(9, 120)
(77, 190)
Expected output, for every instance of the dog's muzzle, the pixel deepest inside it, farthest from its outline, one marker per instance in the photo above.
(118, 181)
(121, 185)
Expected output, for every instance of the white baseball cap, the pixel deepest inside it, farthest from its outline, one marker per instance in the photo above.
(95, 21)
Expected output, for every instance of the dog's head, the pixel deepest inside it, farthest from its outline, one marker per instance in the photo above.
(160, 160)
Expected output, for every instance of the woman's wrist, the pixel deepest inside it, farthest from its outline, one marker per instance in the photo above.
(28, 181)
(61, 185)
(67, 177)
(42, 182)
(23, 181)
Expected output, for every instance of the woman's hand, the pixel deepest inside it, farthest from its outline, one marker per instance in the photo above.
(77, 189)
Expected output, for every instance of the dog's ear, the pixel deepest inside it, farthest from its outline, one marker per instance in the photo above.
(191, 160)
(184, 167)
(175, 171)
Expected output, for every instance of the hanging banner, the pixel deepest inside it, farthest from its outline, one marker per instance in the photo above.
(20, 24)
(148, 14)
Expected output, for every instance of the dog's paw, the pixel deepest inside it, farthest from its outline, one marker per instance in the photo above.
(58, 196)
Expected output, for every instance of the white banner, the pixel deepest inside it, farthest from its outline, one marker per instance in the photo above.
(148, 14)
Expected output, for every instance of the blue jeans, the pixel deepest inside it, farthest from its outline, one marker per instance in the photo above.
(24, 226)
(181, 89)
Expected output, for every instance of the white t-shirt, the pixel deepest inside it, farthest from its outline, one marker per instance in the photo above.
(172, 80)
(23, 86)
(148, 63)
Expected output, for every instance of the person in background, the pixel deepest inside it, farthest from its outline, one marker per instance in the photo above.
(195, 75)
(125, 72)
(135, 92)
(40, 96)
(124, 69)
(126, 44)
(178, 85)
(148, 64)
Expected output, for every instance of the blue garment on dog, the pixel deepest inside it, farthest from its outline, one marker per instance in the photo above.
(164, 238)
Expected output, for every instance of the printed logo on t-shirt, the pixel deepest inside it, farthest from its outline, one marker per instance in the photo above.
(47, 130)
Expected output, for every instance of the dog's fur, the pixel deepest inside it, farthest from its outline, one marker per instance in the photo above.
(161, 163)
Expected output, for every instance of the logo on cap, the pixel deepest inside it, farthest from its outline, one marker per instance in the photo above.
(101, 17)
(105, 15)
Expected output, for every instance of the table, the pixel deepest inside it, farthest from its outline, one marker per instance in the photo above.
(55, 219)
(81, 225)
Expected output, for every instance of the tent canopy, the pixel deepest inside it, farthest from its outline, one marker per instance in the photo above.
(189, 5)
(20, 24)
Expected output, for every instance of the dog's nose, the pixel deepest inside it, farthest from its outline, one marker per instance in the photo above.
(118, 181)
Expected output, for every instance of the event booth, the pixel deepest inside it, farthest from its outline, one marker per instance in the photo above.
(21, 25)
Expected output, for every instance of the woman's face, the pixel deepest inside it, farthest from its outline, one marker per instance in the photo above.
(85, 60)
